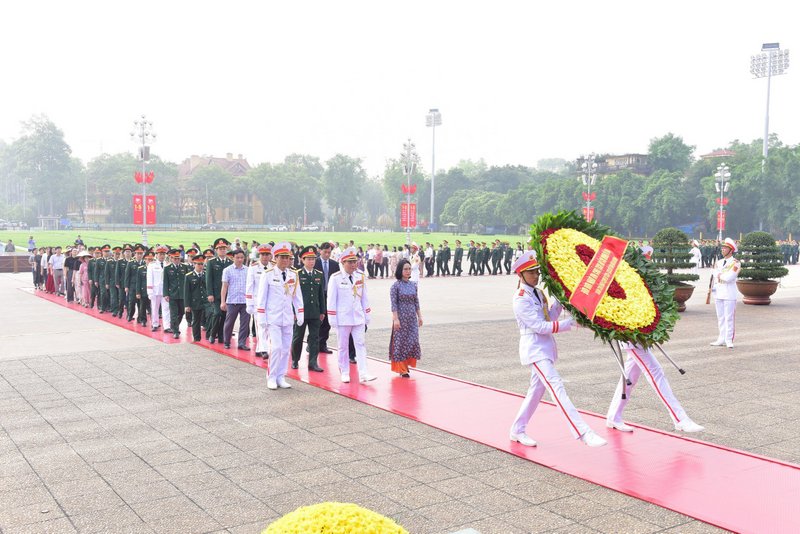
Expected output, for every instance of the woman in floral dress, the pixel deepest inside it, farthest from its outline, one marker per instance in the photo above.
(404, 349)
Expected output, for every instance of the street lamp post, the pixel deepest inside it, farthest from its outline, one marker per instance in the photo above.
(588, 177)
(721, 181)
(772, 61)
(408, 170)
(143, 133)
(432, 120)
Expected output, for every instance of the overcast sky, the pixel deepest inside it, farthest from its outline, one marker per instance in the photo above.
(515, 81)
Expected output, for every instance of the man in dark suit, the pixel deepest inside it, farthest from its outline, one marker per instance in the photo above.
(327, 267)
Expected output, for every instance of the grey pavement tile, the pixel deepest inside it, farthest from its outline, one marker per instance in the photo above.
(346, 491)
(13, 516)
(440, 452)
(55, 475)
(133, 493)
(226, 461)
(610, 498)
(313, 447)
(74, 488)
(537, 492)
(360, 468)
(76, 504)
(120, 465)
(494, 502)
(251, 472)
(491, 525)
(576, 507)
(381, 504)
(695, 527)
(419, 495)
(167, 457)
(359, 439)
(431, 473)
(416, 523)
(267, 488)
(176, 505)
(217, 496)
(449, 515)
(252, 528)
(312, 477)
(25, 496)
(286, 502)
(402, 460)
(183, 469)
(243, 512)
(621, 522)
(196, 523)
(294, 464)
(655, 514)
(61, 525)
(340, 455)
(388, 482)
(534, 519)
(460, 486)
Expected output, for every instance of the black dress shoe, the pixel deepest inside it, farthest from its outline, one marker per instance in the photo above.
(316, 368)
(244, 348)
(295, 365)
(326, 350)
(176, 335)
(168, 330)
(197, 340)
(227, 345)
(154, 329)
(212, 341)
(353, 360)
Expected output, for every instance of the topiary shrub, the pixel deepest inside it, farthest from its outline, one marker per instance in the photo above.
(671, 251)
(760, 257)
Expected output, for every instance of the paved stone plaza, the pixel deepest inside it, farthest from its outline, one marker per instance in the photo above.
(105, 430)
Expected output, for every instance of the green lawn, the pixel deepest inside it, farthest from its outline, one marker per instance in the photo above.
(204, 238)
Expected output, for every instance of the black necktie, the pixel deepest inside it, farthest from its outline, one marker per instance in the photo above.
(162, 264)
(284, 275)
(351, 278)
(325, 268)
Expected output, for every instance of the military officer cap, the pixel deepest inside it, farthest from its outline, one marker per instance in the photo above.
(308, 251)
(161, 249)
(149, 253)
(282, 249)
(199, 259)
(230, 253)
(117, 248)
(208, 253)
(104, 247)
(127, 246)
(730, 243)
(191, 251)
(138, 247)
(174, 253)
(265, 249)
(349, 254)
(414, 246)
(526, 262)
(221, 242)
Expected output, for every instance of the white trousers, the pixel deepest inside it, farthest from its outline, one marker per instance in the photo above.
(726, 313)
(638, 361)
(544, 377)
(343, 335)
(155, 302)
(262, 332)
(281, 345)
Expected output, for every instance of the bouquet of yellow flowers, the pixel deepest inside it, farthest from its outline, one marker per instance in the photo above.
(637, 307)
(334, 518)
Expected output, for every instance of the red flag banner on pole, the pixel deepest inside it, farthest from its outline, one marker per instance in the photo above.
(406, 189)
(404, 215)
(138, 210)
(151, 209)
(598, 276)
(588, 214)
(721, 220)
(149, 177)
(138, 177)
(408, 215)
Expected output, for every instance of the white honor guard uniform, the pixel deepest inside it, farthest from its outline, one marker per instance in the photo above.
(538, 323)
(254, 273)
(348, 312)
(415, 263)
(155, 289)
(278, 293)
(697, 256)
(641, 359)
(723, 287)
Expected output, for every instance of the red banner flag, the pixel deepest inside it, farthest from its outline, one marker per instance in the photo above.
(149, 177)
(723, 201)
(587, 196)
(408, 189)
(138, 177)
(721, 220)
(588, 214)
(138, 210)
(598, 276)
(408, 215)
(151, 209)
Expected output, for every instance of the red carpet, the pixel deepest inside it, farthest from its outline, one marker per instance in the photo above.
(728, 488)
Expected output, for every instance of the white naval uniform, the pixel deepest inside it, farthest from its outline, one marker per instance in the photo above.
(696, 258)
(724, 276)
(537, 349)
(415, 265)
(155, 292)
(254, 273)
(275, 298)
(349, 312)
(641, 359)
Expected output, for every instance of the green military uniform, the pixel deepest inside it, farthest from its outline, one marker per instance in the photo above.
(214, 268)
(497, 257)
(129, 284)
(311, 284)
(141, 292)
(195, 298)
(100, 281)
(119, 284)
(110, 279)
(174, 281)
(93, 289)
(458, 255)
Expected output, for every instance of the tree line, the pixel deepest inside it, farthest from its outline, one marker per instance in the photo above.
(40, 176)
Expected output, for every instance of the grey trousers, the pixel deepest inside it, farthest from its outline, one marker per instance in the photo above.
(234, 311)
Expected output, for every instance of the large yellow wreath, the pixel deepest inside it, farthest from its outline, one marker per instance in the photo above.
(334, 518)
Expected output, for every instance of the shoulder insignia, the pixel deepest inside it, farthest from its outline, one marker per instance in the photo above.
(521, 292)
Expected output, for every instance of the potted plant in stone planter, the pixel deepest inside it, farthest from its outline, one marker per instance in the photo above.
(761, 262)
(671, 252)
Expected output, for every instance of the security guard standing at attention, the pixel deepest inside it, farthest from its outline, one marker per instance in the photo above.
(314, 309)
(458, 254)
(174, 280)
(214, 268)
(195, 297)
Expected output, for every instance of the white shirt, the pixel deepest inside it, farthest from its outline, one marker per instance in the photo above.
(254, 273)
(536, 330)
(348, 304)
(155, 278)
(276, 297)
(728, 271)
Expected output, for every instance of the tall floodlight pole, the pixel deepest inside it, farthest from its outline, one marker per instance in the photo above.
(772, 61)
(588, 177)
(408, 170)
(143, 135)
(722, 179)
(432, 120)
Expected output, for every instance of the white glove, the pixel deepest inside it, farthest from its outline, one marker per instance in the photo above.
(567, 324)
(251, 310)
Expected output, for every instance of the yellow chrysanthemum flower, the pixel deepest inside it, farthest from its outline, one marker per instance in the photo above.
(334, 518)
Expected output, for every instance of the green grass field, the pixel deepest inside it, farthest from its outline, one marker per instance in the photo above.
(205, 238)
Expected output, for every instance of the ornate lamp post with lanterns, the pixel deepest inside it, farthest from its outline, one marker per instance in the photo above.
(432, 120)
(721, 181)
(588, 177)
(143, 135)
